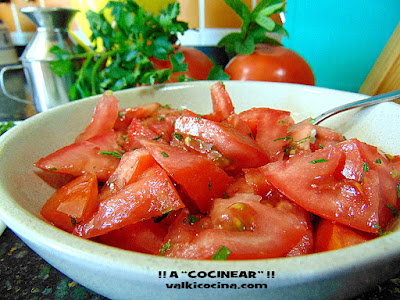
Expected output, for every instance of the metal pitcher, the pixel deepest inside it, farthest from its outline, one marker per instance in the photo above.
(47, 89)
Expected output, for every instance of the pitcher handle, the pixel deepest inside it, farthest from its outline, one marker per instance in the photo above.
(3, 87)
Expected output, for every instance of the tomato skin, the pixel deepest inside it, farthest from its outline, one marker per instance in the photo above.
(104, 116)
(332, 236)
(271, 63)
(199, 65)
(249, 229)
(150, 196)
(75, 200)
(83, 157)
(145, 237)
(200, 178)
(240, 149)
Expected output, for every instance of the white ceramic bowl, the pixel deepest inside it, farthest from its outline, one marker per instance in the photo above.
(119, 274)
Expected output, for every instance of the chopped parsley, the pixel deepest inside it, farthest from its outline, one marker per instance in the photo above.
(164, 154)
(394, 211)
(191, 219)
(210, 185)
(5, 126)
(318, 161)
(378, 161)
(283, 138)
(178, 136)
(164, 248)
(380, 231)
(115, 154)
(221, 254)
(365, 169)
(157, 138)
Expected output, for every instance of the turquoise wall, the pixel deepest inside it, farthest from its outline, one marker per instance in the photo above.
(340, 39)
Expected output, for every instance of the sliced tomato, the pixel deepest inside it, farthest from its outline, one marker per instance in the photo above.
(150, 196)
(269, 127)
(305, 136)
(72, 203)
(249, 229)
(311, 180)
(130, 167)
(239, 150)
(85, 157)
(145, 237)
(270, 196)
(222, 103)
(126, 115)
(330, 235)
(162, 122)
(200, 178)
(103, 119)
(137, 131)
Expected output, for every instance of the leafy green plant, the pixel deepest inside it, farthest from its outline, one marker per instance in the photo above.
(121, 60)
(255, 27)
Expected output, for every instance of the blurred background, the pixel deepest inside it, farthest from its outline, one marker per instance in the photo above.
(340, 39)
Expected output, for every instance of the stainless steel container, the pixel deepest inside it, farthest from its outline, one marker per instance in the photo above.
(47, 89)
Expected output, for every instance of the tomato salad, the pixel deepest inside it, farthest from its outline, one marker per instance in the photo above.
(225, 185)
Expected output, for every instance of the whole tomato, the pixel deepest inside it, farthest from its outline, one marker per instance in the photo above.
(199, 64)
(271, 63)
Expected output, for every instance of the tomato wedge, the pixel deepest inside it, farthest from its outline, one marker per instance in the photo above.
(145, 237)
(332, 236)
(150, 196)
(103, 119)
(240, 150)
(200, 178)
(328, 183)
(72, 203)
(85, 157)
(130, 167)
(249, 229)
(126, 115)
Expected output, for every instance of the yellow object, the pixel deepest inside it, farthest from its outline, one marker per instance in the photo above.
(83, 6)
(385, 74)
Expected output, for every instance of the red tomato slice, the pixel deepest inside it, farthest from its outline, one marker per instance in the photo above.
(84, 157)
(270, 128)
(162, 122)
(103, 119)
(72, 203)
(332, 236)
(131, 166)
(200, 178)
(259, 186)
(249, 229)
(306, 136)
(126, 115)
(311, 180)
(240, 150)
(151, 196)
(222, 103)
(138, 131)
(145, 237)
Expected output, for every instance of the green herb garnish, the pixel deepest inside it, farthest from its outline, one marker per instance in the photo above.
(318, 161)
(164, 154)
(394, 211)
(191, 219)
(115, 154)
(6, 126)
(221, 254)
(164, 248)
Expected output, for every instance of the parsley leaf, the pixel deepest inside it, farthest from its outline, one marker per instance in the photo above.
(221, 254)
(6, 126)
(318, 161)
